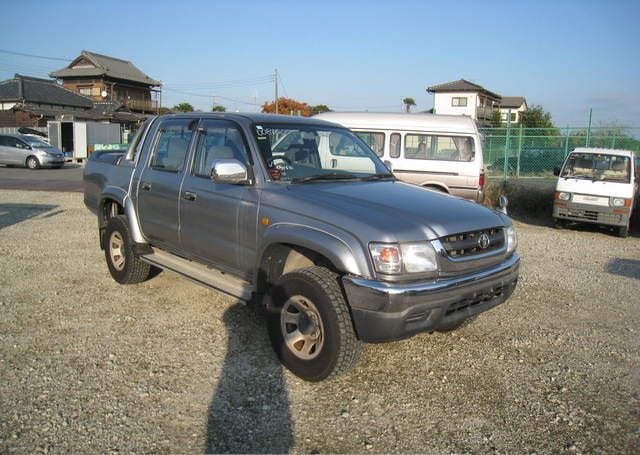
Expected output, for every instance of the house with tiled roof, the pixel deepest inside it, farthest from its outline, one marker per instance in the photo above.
(463, 97)
(108, 79)
(515, 105)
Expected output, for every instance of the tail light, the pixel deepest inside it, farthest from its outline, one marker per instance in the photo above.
(481, 179)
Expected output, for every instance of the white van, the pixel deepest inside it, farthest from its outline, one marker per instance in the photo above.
(443, 152)
(596, 186)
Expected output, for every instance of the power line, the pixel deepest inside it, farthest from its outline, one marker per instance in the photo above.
(182, 92)
(236, 82)
(282, 84)
(22, 54)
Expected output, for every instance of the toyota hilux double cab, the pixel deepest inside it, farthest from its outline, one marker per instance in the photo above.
(301, 216)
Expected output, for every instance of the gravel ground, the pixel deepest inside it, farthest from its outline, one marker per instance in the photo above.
(89, 366)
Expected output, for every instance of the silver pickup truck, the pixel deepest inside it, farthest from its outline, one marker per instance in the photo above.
(300, 215)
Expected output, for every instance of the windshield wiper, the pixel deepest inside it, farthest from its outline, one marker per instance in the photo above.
(330, 176)
(378, 176)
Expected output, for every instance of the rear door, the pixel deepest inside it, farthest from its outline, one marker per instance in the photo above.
(159, 185)
(14, 151)
(218, 221)
(4, 150)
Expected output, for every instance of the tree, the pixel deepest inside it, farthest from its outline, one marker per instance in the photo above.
(320, 108)
(496, 119)
(218, 108)
(288, 106)
(164, 110)
(183, 107)
(536, 117)
(408, 102)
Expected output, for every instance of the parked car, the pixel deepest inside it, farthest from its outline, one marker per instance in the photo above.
(441, 152)
(596, 186)
(29, 151)
(338, 250)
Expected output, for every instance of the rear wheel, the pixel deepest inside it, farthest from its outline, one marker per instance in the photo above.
(32, 162)
(124, 265)
(310, 326)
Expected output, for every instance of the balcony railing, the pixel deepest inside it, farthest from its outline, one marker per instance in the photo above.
(484, 113)
(140, 105)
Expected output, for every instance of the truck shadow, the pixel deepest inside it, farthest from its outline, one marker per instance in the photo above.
(629, 268)
(11, 214)
(249, 411)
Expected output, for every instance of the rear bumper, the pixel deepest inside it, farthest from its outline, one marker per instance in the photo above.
(587, 213)
(391, 311)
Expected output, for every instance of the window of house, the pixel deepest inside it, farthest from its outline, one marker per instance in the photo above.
(394, 145)
(441, 148)
(220, 140)
(459, 101)
(85, 91)
(375, 141)
(172, 144)
(504, 116)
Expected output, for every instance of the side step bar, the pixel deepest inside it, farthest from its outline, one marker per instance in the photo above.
(200, 274)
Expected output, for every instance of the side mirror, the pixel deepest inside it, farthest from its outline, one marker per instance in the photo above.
(556, 171)
(388, 164)
(503, 203)
(229, 171)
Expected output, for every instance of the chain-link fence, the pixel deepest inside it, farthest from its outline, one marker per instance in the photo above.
(515, 151)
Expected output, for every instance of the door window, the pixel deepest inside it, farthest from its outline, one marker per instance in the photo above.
(394, 146)
(220, 140)
(375, 141)
(172, 144)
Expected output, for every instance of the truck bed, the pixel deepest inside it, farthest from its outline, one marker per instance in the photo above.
(104, 170)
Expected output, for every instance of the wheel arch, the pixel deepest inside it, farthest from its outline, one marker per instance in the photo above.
(437, 186)
(117, 197)
(290, 247)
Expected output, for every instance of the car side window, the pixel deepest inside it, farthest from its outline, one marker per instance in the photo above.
(394, 145)
(172, 144)
(220, 139)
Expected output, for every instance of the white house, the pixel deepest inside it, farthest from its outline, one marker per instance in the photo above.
(462, 97)
(517, 104)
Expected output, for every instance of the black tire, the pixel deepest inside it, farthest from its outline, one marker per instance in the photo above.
(559, 224)
(622, 231)
(457, 325)
(125, 268)
(32, 163)
(336, 348)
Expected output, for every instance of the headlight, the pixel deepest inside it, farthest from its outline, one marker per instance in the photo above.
(511, 238)
(408, 257)
(564, 196)
(618, 202)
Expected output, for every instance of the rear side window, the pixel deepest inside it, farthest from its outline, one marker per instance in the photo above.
(394, 145)
(220, 139)
(440, 148)
(3, 140)
(374, 140)
(172, 144)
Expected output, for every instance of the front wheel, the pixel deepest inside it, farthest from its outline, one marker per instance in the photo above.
(622, 231)
(310, 326)
(33, 163)
(124, 265)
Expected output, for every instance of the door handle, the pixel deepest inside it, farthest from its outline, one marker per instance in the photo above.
(146, 186)
(189, 196)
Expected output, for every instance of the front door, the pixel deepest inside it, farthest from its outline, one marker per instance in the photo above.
(159, 184)
(218, 221)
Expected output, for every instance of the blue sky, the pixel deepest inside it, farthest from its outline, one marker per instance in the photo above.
(567, 56)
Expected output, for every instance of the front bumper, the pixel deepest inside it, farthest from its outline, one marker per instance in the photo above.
(390, 311)
(587, 213)
(50, 160)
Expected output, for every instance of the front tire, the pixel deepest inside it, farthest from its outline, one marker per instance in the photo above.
(32, 163)
(310, 325)
(124, 265)
(622, 231)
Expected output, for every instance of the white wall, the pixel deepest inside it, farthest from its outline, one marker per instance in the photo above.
(504, 112)
(6, 106)
(442, 103)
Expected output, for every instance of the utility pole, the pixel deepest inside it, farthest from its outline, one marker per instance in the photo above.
(275, 79)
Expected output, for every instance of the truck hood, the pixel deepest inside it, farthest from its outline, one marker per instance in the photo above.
(397, 211)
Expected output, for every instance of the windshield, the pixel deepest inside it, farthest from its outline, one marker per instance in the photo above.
(596, 166)
(303, 153)
(35, 142)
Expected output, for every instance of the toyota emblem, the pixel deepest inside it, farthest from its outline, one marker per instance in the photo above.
(484, 241)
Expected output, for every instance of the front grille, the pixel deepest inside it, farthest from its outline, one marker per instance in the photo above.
(478, 299)
(591, 215)
(468, 244)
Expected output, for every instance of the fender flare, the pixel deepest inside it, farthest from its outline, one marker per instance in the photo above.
(347, 257)
(120, 196)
